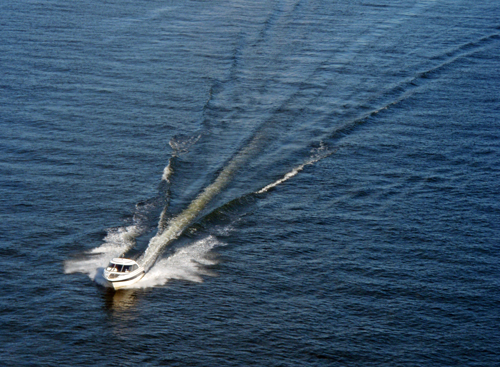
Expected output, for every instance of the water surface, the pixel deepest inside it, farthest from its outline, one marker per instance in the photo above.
(311, 183)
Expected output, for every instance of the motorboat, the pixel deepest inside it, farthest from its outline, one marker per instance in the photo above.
(121, 272)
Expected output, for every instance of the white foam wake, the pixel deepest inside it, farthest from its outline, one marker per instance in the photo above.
(178, 224)
(320, 153)
(116, 242)
(167, 171)
(187, 263)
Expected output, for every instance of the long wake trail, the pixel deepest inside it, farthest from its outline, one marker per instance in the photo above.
(178, 224)
(120, 240)
(175, 227)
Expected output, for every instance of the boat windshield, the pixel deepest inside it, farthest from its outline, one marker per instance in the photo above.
(121, 268)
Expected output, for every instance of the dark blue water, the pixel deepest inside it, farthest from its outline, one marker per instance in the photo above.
(332, 168)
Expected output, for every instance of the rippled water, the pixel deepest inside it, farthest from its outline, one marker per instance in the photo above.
(310, 183)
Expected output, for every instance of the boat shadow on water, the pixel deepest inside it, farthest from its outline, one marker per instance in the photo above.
(115, 300)
(119, 300)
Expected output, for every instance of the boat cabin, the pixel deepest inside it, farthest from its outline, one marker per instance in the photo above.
(123, 272)
(120, 265)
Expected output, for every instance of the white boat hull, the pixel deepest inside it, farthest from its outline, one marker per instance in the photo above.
(118, 284)
(122, 273)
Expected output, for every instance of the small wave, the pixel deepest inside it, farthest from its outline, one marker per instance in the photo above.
(167, 171)
(319, 154)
